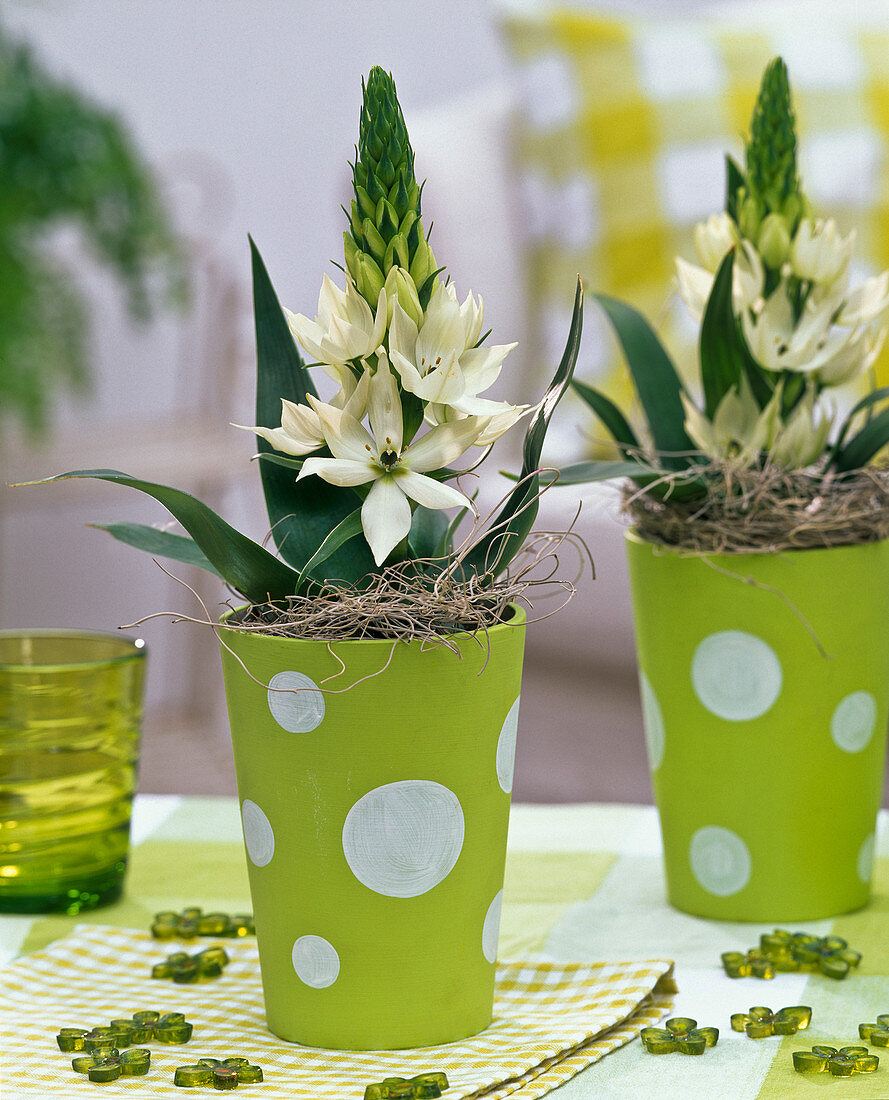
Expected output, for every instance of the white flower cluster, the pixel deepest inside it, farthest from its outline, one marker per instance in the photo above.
(809, 323)
(374, 355)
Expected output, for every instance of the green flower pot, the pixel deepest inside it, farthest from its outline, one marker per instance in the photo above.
(765, 709)
(375, 823)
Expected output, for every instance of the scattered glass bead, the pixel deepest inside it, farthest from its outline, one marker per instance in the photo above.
(222, 1074)
(70, 1039)
(193, 922)
(740, 965)
(841, 1063)
(680, 1034)
(108, 1066)
(185, 969)
(792, 951)
(760, 1022)
(404, 1088)
(876, 1034)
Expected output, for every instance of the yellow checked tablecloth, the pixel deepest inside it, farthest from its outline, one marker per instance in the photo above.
(584, 892)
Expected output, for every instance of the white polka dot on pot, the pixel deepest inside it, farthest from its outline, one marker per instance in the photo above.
(653, 721)
(296, 702)
(865, 862)
(736, 676)
(720, 860)
(853, 721)
(315, 961)
(259, 837)
(491, 928)
(404, 838)
(506, 748)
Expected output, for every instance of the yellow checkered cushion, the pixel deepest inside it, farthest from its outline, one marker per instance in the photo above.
(620, 143)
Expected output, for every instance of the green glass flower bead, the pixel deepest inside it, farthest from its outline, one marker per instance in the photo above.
(753, 963)
(100, 1040)
(172, 1028)
(422, 1086)
(760, 1022)
(165, 925)
(829, 955)
(186, 969)
(213, 924)
(220, 1073)
(680, 1034)
(876, 1034)
(86, 1062)
(135, 1062)
(70, 1039)
(193, 922)
(840, 1063)
(140, 1027)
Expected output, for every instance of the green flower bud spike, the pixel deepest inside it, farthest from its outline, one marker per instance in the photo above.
(772, 175)
(385, 230)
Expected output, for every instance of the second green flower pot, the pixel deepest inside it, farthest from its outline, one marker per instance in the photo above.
(765, 687)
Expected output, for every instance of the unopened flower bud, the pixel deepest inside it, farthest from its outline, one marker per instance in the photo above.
(423, 263)
(773, 242)
(399, 284)
(749, 218)
(368, 277)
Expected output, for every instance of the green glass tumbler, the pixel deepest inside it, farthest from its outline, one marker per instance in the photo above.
(70, 717)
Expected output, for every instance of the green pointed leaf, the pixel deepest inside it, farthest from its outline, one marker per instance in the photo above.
(734, 180)
(507, 534)
(872, 438)
(428, 527)
(656, 381)
(162, 544)
(580, 473)
(301, 514)
(722, 362)
(348, 529)
(241, 562)
(880, 394)
(610, 415)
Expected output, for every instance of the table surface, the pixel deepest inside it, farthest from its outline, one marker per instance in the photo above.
(583, 882)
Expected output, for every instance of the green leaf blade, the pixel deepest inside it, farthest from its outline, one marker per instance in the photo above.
(241, 562)
(656, 379)
(161, 544)
(610, 415)
(301, 514)
(508, 531)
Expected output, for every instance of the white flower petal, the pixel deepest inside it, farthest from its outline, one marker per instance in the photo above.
(345, 436)
(694, 285)
(384, 408)
(444, 443)
(307, 334)
(481, 366)
(867, 302)
(339, 471)
(429, 492)
(385, 517)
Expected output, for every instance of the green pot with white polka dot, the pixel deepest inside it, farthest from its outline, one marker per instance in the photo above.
(374, 780)
(765, 688)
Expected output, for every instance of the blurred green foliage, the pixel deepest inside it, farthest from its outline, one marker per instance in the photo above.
(66, 162)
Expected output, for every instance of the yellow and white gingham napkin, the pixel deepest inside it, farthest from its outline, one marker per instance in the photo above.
(550, 1021)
